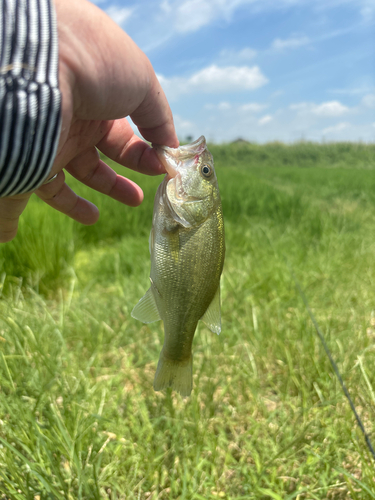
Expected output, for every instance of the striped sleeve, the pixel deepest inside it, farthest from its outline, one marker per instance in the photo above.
(30, 99)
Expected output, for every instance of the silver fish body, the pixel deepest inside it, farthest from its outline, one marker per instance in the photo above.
(187, 255)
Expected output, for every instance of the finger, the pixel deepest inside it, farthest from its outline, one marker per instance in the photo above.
(10, 211)
(154, 117)
(88, 168)
(61, 197)
(124, 147)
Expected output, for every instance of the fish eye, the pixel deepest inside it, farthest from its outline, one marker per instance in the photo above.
(206, 170)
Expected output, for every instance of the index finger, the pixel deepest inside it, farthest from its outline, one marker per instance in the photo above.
(124, 147)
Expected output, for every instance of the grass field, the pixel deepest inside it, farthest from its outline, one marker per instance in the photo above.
(267, 418)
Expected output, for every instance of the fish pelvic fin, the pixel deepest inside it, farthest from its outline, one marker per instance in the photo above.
(212, 317)
(175, 374)
(146, 310)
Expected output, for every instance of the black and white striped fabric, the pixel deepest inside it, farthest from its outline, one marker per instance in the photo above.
(30, 99)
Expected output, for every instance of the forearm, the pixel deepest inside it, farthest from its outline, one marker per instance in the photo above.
(30, 99)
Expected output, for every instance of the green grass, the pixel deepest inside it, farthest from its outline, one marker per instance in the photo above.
(267, 419)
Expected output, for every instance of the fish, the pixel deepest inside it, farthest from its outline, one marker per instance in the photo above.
(187, 250)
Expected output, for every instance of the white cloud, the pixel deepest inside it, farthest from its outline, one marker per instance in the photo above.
(326, 109)
(221, 106)
(369, 101)
(351, 91)
(243, 55)
(289, 43)
(191, 15)
(215, 79)
(301, 106)
(265, 119)
(331, 108)
(228, 78)
(224, 106)
(119, 14)
(170, 17)
(280, 125)
(336, 128)
(277, 93)
(252, 107)
(185, 16)
(183, 126)
(368, 10)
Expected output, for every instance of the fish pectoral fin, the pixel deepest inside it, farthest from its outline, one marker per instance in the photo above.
(212, 317)
(146, 310)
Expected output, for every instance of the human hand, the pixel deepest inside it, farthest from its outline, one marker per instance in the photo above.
(104, 77)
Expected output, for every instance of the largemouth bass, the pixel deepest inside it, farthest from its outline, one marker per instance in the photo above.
(187, 255)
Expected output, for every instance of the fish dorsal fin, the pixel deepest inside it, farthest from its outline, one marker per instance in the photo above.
(146, 310)
(212, 317)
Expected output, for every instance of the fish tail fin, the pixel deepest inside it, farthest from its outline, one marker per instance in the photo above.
(175, 374)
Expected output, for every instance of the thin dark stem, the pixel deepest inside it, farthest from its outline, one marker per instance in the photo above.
(334, 366)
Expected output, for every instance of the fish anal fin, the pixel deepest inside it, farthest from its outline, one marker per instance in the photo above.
(146, 310)
(212, 317)
(175, 374)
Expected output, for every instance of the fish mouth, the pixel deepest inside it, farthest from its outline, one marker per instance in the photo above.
(192, 149)
(171, 158)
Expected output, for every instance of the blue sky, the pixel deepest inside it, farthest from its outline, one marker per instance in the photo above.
(263, 70)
